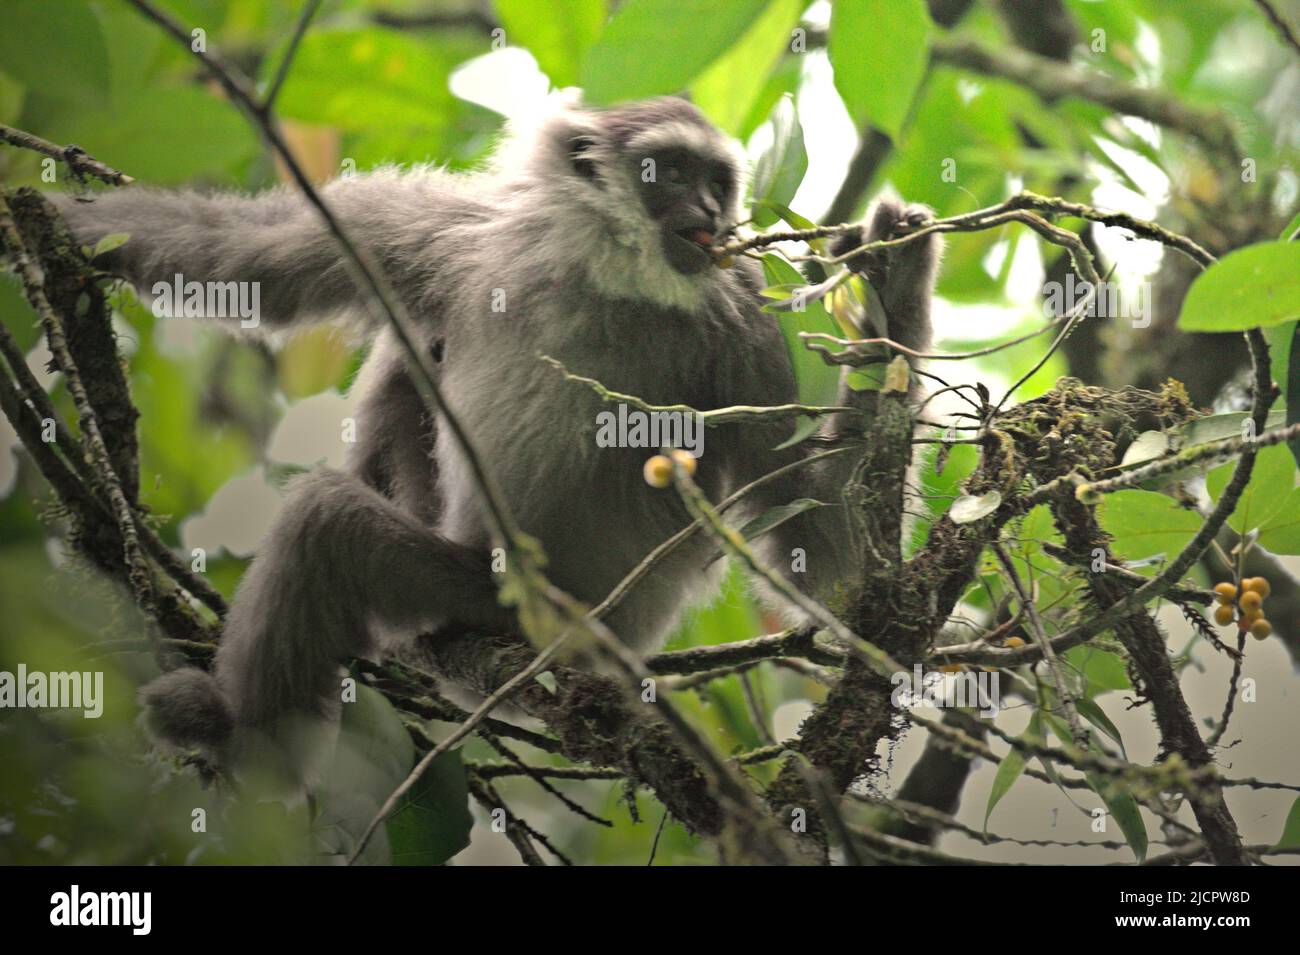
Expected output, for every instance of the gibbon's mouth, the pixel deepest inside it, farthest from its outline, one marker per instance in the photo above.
(689, 250)
(696, 236)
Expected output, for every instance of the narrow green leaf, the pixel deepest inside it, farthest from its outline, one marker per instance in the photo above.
(1010, 769)
(1290, 838)
(817, 383)
(1095, 715)
(781, 168)
(1124, 808)
(774, 517)
(108, 243)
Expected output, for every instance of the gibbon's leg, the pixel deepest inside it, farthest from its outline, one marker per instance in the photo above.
(341, 571)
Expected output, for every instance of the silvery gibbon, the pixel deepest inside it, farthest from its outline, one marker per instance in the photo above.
(560, 245)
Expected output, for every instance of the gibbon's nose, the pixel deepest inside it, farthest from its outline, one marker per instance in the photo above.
(708, 204)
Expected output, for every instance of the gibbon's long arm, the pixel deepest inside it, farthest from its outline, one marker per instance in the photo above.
(276, 239)
(904, 279)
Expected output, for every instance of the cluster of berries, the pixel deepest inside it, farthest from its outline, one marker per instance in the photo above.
(1245, 607)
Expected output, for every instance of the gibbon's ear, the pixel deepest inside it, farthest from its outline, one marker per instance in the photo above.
(579, 146)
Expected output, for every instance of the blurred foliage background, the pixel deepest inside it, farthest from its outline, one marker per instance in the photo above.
(839, 100)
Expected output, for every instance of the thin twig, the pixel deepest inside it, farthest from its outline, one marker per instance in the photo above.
(74, 157)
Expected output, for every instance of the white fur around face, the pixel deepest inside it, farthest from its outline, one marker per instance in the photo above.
(612, 237)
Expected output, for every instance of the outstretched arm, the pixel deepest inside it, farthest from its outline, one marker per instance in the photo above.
(814, 549)
(276, 242)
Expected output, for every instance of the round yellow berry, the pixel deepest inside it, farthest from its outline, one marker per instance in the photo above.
(951, 668)
(1014, 642)
(1226, 591)
(1260, 629)
(658, 471)
(1250, 601)
(686, 460)
(1257, 585)
(1223, 615)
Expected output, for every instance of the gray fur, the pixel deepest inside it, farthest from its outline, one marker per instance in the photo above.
(397, 545)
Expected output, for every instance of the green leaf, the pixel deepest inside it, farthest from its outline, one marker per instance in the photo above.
(1219, 426)
(1281, 535)
(1144, 523)
(1270, 485)
(1292, 231)
(1256, 286)
(774, 517)
(967, 509)
(1284, 350)
(209, 135)
(432, 823)
(557, 34)
(1011, 768)
(1290, 838)
(817, 383)
(653, 47)
(1124, 808)
(114, 240)
(878, 49)
(1102, 669)
(730, 88)
(373, 78)
(1095, 715)
(56, 49)
(372, 757)
(781, 168)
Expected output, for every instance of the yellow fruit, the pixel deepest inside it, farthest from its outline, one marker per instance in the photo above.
(951, 668)
(658, 471)
(1014, 642)
(1223, 615)
(1250, 601)
(1258, 585)
(1226, 591)
(1250, 616)
(1260, 629)
(686, 460)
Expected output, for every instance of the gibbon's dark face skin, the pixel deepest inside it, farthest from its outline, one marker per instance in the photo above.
(685, 194)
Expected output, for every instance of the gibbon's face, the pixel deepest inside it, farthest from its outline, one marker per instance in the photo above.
(685, 194)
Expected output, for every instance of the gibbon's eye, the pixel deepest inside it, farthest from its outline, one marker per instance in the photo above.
(718, 188)
(673, 173)
(582, 163)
